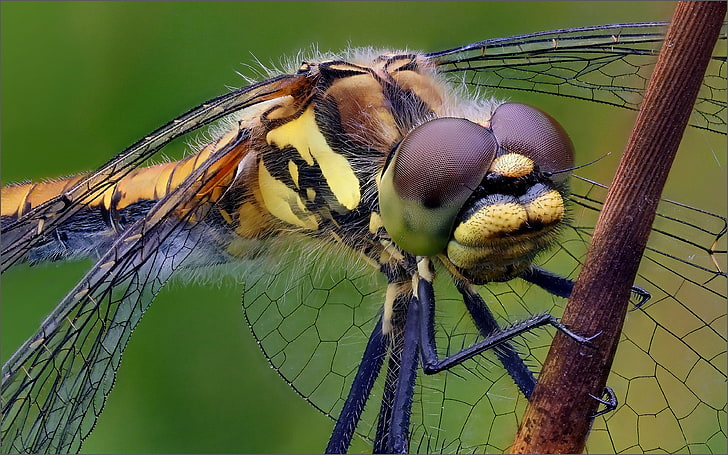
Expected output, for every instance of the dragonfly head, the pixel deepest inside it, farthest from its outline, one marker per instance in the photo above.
(488, 196)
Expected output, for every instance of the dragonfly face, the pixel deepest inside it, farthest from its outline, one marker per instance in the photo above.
(481, 193)
(253, 309)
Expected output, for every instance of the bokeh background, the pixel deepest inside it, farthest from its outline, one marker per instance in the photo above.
(80, 81)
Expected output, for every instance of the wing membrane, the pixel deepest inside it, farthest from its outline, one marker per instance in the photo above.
(313, 327)
(295, 314)
(55, 386)
(24, 233)
(607, 64)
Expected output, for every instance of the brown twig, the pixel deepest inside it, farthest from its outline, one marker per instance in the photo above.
(557, 419)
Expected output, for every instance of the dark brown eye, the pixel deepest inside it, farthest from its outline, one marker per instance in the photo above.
(442, 160)
(523, 129)
(432, 173)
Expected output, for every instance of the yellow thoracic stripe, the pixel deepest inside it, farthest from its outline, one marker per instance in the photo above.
(283, 202)
(304, 135)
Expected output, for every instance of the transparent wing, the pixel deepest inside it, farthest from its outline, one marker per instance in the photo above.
(608, 64)
(670, 367)
(26, 232)
(55, 386)
(313, 323)
(670, 370)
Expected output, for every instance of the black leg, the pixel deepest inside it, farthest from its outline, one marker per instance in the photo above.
(430, 361)
(402, 408)
(413, 332)
(550, 282)
(395, 410)
(508, 356)
(643, 294)
(384, 419)
(366, 375)
(610, 402)
(561, 287)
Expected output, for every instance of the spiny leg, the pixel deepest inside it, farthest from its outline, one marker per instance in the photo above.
(390, 344)
(506, 353)
(398, 439)
(361, 388)
(395, 410)
(561, 287)
(609, 402)
(432, 364)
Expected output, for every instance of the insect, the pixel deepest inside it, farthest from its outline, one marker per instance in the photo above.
(265, 282)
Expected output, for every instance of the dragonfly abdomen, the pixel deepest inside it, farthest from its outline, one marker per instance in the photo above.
(101, 220)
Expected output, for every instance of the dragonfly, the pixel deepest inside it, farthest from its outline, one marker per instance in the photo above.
(148, 221)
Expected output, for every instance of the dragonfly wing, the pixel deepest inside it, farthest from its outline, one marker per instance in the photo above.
(607, 64)
(21, 235)
(296, 316)
(669, 370)
(55, 386)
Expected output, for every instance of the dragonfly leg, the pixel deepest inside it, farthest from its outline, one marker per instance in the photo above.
(610, 402)
(561, 287)
(366, 375)
(505, 352)
(548, 281)
(643, 294)
(394, 413)
(398, 439)
(432, 364)
(384, 419)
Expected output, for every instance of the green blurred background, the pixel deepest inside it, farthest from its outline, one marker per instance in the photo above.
(80, 81)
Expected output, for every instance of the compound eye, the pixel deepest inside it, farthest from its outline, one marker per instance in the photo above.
(427, 180)
(520, 128)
